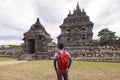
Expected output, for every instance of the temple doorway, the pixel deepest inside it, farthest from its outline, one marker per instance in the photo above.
(31, 46)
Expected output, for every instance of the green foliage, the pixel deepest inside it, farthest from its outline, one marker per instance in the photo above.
(107, 37)
(13, 46)
(96, 42)
(6, 58)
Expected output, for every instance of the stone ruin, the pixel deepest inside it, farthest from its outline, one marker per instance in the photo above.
(11, 52)
(76, 34)
(76, 31)
(35, 42)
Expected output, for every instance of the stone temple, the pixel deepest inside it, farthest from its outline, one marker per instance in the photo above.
(35, 41)
(76, 30)
(76, 34)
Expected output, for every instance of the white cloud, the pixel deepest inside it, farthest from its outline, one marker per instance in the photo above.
(17, 16)
(104, 14)
(8, 42)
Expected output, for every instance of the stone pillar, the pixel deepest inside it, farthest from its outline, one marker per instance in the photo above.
(26, 45)
(36, 45)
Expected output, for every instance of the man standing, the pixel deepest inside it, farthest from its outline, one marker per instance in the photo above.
(62, 62)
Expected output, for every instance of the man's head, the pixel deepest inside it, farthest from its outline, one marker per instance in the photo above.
(60, 46)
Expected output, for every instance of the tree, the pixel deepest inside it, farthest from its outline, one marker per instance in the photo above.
(12, 46)
(107, 37)
(96, 42)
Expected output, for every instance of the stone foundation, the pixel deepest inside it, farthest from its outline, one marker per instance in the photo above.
(36, 56)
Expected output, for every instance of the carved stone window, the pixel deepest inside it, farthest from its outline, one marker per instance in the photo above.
(68, 39)
(83, 38)
(68, 30)
(83, 29)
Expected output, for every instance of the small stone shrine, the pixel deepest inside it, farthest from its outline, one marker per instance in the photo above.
(35, 42)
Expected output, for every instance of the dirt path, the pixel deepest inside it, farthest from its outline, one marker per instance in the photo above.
(11, 62)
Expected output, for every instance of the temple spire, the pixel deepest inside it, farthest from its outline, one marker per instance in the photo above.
(78, 10)
(78, 7)
(74, 11)
(69, 13)
(38, 20)
(83, 10)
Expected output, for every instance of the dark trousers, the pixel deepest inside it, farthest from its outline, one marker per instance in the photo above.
(62, 73)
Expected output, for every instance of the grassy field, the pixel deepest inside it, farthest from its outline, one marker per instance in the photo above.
(43, 70)
(6, 58)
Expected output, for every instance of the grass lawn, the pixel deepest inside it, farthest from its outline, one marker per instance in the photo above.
(6, 58)
(43, 70)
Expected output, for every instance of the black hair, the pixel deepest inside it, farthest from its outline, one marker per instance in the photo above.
(60, 45)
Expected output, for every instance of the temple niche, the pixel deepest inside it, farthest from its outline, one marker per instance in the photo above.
(36, 40)
(76, 30)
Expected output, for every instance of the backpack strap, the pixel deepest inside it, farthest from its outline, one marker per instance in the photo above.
(58, 53)
(64, 52)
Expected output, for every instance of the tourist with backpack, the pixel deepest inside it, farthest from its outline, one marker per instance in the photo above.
(62, 62)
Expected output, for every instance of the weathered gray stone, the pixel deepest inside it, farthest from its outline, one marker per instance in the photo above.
(36, 40)
(76, 30)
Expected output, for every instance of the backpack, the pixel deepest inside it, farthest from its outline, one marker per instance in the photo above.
(63, 60)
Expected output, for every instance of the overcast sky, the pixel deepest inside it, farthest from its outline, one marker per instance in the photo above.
(17, 16)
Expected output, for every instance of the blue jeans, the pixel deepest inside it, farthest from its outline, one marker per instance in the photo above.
(62, 73)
